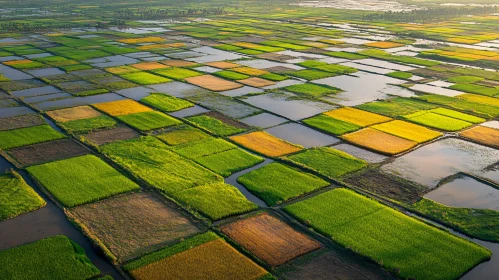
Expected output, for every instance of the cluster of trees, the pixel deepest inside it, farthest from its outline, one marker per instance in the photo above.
(431, 14)
(130, 14)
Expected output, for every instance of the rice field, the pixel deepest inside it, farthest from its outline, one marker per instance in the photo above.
(17, 197)
(265, 144)
(380, 141)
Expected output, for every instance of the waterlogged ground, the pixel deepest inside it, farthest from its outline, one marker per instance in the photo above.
(253, 123)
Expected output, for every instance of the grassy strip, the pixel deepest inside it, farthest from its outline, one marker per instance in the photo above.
(470, 88)
(276, 183)
(310, 74)
(177, 73)
(85, 125)
(312, 90)
(144, 78)
(457, 115)
(478, 223)
(483, 110)
(403, 245)
(172, 250)
(331, 125)
(327, 161)
(17, 197)
(146, 121)
(228, 162)
(397, 106)
(445, 123)
(166, 103)
(230, 75)
(54, 258)
(400, 75)
(203, 147)
(398, 58)
(81, 180)
(27, 136)
(214, 126)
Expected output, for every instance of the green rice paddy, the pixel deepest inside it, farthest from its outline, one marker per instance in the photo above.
(166, 103)
(146, 121)
(17, 197)
(27, 136)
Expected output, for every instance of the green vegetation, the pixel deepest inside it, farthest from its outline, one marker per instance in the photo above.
(331, 125)
(276, 183)
(457, 115)
(477, 223)
(203, 147)
(489, 75)
(54, 258)
(228, 162)
(177, 73)
(396, 107)
(274, 77)
(403, 245)
(310, 74)
(400, 75)
(152, 161)
(182, 134)
(144, 78)
(89, 124)
(427, 118)
(398, 58)
(471, 88)
(91, 92)
(327, 161)
(17, 197)
(231, 75)
(284, 45)
(337, 69)
(480, 109)
(166, 103)
(464, 79)
(81, 180)
(146, 121)
(172, 250)
(216, 201)
(214, 126)
(227, 47)
(312, 90)
(29, 135)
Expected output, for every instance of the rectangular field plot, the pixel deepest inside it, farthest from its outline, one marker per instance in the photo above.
(152, 161)
(17, 197)
(270, 239)
(47, 151)
(434, 120)
(266, 144)
(483, 135)
(146, 121)
(328, 162)
(81, 180)
(102, 137)
(331, 125)
(276, 183)
(183, 134)
(215, 201)
(379, 141)
(29, 135)
(134, 224)
(429, 253)
(22, 121)
(408, 131)
(218, 124)
(228, 162)
(73, 114)
(203, 147)
(166, 103)
(205, 256)
(54, 258)
(357, 117)
(213, 83)
(122, 107)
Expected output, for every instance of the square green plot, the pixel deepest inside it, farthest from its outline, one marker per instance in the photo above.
(152, 161)
(214, 126)
(409, 247)
(84, 125)
(276, 183)
(182, 134)
(17, 197)
(457, 115)
(311, 74)
(274, 77)
(54, 258)
(434, 120)
(331, 125)
(312, 90)
(228, 162)
(230, 75)
(146, 121)
(166, 103)
(328, 162)
(216, 201)
(144, 78)
(81, 180)
(29, 135)
(203, 147)
(178, 73)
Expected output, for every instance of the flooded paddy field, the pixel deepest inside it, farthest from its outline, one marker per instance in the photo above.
(311, 140)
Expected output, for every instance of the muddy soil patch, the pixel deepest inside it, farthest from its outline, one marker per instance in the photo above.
(20, 122)
(47, 151)
(102, 137)
(225, 119)
(135, 224)
(386, 185)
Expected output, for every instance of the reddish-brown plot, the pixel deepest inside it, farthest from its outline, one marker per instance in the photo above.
(256, 82)
(270, 239)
